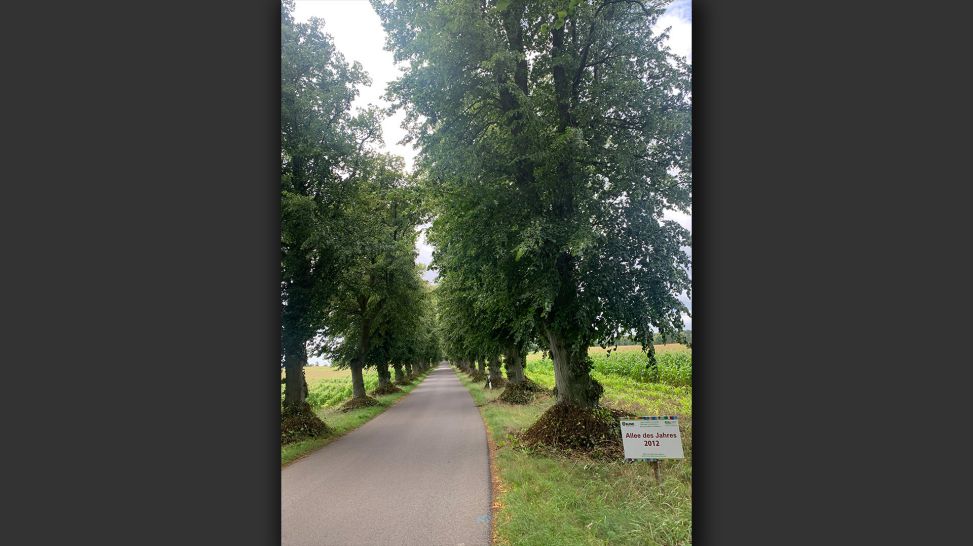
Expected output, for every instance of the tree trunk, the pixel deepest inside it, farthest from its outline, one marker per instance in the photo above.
(384, 377)
(408, 368)
(358, 362)
(572, 377)
(514, 365)
(481, 365)
(399, 375)
(496, 378)
(295, 388)
(357, 380)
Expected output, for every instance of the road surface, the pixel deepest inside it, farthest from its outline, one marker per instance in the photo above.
(418, 474)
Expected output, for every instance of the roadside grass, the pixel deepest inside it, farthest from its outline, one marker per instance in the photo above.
(549, 498)
(342, 423)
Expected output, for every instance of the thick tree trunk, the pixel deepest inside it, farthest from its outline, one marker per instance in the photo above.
(481, 365)
(358, 362)
(496, 378)
(384, 377)
(572, 377)
(399, 374)
(514, 365)
(408, 368)
(357, 380)
(295, 388)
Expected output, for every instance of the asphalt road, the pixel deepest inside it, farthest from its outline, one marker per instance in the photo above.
(418, 474)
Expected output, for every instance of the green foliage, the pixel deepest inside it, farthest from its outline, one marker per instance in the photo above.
(554, 136)
(322, 145)
(380, 296)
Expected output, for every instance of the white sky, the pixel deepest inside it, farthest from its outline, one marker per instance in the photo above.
(358, 34)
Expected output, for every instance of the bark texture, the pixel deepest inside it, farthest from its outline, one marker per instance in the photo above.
(495, 380)
(295, 388)
(357, 380)
(384, 376)
(572, 373)
(513, 363)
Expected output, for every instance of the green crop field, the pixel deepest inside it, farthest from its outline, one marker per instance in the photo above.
(629, 383)
(549, 498)
(330, 387)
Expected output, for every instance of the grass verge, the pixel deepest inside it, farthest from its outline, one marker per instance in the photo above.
(342, 423)
(544, 497)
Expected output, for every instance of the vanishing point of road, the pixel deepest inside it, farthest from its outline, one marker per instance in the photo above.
(418, 474)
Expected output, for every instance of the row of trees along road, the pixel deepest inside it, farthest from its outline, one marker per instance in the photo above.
(554, 134)
(350, 287)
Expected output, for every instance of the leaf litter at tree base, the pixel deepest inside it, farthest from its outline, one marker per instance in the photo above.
(575, 429)
(300, 424)
(359, 402)
(520, 393)
(387, 389)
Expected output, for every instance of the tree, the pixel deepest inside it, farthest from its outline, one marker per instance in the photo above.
(555, 134)
(320, 147)
(380, 278)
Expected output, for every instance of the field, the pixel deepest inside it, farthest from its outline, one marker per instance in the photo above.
(547, 498)
(628, 383)
(329, 388)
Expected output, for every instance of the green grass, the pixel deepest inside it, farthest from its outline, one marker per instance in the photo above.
(547, 498)
(343, 423)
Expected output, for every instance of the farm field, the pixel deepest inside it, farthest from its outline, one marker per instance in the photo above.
(329, 388)
(629, 385)
(551, 498)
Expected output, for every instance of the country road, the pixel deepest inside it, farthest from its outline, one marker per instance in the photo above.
(417, 474)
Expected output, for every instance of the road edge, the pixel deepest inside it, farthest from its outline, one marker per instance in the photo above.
(496, 484)
(332, 439)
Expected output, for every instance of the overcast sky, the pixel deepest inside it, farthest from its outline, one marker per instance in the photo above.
(358, 34)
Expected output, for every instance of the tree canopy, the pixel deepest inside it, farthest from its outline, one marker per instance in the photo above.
(554, 136)
(349, 281)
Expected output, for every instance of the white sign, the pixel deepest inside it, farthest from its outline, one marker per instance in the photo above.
(652, 438)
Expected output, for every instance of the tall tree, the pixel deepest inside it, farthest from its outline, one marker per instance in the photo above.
(321, 142)
(557, 133)
(380, 277)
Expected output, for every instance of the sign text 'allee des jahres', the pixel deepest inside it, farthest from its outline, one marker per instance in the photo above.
(652, 438)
